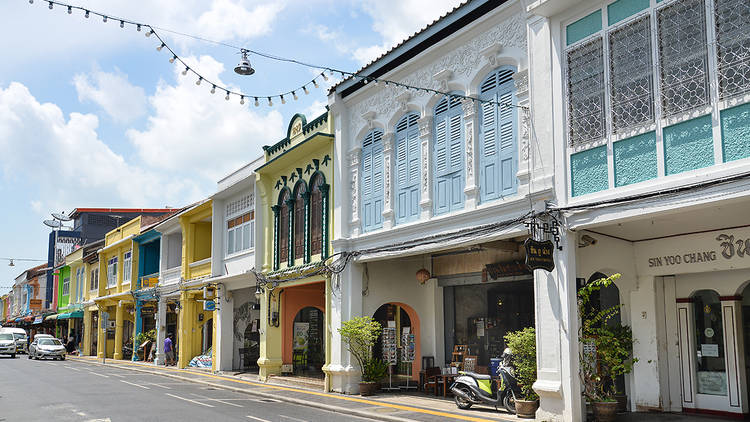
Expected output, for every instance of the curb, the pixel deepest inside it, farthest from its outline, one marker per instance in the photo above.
(328, 407)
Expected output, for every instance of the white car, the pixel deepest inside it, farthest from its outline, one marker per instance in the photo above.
(7, 345)
(19, 334)
(47, 348)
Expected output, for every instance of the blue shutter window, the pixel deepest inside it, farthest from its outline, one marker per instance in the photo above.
(448, 150)
(372, 181)
(407, 169)
(498, 163)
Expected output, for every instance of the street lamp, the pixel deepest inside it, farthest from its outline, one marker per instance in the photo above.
(244, 67)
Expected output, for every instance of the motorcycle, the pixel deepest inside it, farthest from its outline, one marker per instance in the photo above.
(471, 388)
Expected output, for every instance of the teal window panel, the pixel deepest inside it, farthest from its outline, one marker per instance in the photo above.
(688, 145)
(622, 9)
(735, 132)
(583, 27)
(589, 171)
(635, 159)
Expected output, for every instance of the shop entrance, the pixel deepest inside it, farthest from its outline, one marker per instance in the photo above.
(308, 349)
(399, 343)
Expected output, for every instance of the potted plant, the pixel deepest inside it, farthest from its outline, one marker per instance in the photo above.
(522, 345)
(360, 334)
(606, 352)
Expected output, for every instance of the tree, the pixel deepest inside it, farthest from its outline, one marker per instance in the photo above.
(360, 334)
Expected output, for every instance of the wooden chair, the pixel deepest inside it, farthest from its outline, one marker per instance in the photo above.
(432, 382)
(459, 353)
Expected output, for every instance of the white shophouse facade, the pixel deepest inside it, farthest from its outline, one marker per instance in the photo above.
(438, 183)
(647, 106)
(233, 255)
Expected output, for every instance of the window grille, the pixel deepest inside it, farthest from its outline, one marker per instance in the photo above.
(586, 92)
(66, 286)
(683, 56)
(112, 272)
(631, 75)
(239, 205)
(733, 46)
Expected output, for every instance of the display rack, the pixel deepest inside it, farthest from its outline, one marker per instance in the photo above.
(390, 354)
(408, 354)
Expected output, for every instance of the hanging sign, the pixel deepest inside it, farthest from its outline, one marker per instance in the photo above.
(209, 305)
(539, 255)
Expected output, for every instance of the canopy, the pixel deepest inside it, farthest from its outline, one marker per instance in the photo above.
(50, 317)
(68, 315)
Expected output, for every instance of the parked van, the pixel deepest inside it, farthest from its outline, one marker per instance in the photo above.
(19, 334)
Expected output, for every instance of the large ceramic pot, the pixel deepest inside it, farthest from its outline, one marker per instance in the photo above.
(622, 403)
(368, 388)
(526, 409)
(605, 411)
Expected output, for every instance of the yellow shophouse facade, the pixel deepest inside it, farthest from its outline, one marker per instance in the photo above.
(294, 290)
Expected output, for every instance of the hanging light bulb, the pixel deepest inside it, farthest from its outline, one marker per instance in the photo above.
(270, 103)
(375, 81)
(104, 19)
(213, 89)
(323, 74)
(227, 97)
(70, 10)
(294, 94)
(315, 83)
(283, 101)
(364, 81)
(184, 72)
(304, 88)
(160, 47)
(198, 82)
(31, 1)
(257, 103)
(242, 99)
(138, 27)
(51, 6)
(86, 15)
(149, 32)
(172, 59)
(122, 24)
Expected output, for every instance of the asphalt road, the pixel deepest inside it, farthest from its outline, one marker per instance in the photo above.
(32, 390)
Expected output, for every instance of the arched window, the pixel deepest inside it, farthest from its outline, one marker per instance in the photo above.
(372, 181)
(283, 240)
(498, 163)
(300, 215)
(448, 150)
(316, 214)
(407, 168)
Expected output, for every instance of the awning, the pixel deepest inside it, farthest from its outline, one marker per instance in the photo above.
(39, 319)
(50, 317)
(68, 315)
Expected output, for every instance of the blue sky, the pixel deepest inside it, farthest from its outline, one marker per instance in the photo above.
(91, 115)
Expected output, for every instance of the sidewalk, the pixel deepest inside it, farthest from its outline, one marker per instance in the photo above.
(395, 407)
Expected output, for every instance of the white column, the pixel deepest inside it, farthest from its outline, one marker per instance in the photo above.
(345, 303)
(687, 360)
(388, 219)
(161, 331)
(731, 310)
(355, 222)
(425, 185)
(224, 329)
(558, 383)
(471, 190)
(644, 381)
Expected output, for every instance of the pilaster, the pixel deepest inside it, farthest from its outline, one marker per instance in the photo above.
(119, 320)
(471, 190)
(425, 184)
(161, 331)
(354, 156)
(388, 216)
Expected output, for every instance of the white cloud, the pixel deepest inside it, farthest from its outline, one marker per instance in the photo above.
(189, 125)
(226, 20)
(315, 109)
(121, 100)
(396, 20)
(67, 164)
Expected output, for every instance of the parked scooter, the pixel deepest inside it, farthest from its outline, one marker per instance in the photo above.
(471, 388)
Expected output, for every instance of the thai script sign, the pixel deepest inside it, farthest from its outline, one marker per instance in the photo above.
(539, 255)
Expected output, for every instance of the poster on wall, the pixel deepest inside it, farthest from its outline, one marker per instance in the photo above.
(301, 332)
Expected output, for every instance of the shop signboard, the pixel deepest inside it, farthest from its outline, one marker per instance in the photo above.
(209, 305)
(540, 255)
(301, 335)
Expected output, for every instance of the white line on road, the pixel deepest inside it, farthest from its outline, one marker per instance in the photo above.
(258, 419)
(216, 400)
(160, 385)
(118, 375)
(70, 367)
(98, 375)
(291, 418)
(134, 384)
(191, 401)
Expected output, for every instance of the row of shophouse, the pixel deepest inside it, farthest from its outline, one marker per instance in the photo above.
(620, 131)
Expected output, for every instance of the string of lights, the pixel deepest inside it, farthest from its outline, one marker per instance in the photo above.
(244, 67)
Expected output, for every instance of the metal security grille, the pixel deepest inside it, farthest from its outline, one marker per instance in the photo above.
(586, 92)
(631, 75)
(683, 56)
(732, 19)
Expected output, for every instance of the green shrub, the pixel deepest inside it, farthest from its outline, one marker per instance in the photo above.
(522, 345)
(375, 370)
(360, 334)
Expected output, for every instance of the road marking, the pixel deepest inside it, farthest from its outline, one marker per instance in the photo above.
(134, 384)
(160, 385)
(258, 419)
(291, 418)
(118, 375)
(216, 400)
(191, 401)
(71, 368)
(98, 375)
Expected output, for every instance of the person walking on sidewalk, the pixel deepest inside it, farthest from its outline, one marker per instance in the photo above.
(169, 350)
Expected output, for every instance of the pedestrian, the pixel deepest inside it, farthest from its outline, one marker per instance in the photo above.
(168, 350)
(70, 346)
